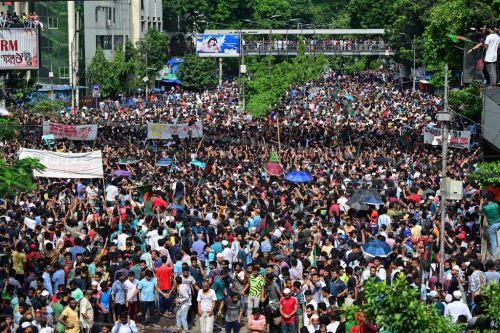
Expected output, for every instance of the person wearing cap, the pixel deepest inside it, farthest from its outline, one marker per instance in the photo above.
(455, 279)
(457, 308)
(227, 253)
(288, 309)
(257, 322)
(313, 324)
(436, 302)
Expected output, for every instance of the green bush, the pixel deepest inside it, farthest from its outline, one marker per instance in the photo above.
(47, 106)
(487, 173)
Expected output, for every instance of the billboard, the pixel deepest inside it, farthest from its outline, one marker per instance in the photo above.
(19, 49)
(218, 45)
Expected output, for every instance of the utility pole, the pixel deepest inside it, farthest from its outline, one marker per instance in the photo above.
(414, 67)
(220, 72)
(444, 117)
(243, 70)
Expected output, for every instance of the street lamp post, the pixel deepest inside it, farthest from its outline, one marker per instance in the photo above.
(445, 117)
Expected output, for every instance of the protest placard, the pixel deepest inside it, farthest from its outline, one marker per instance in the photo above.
(66, 165)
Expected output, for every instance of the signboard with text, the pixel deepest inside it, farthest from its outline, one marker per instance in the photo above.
(456, 139)
(70, 132)
(66, 165)
(19, 49)
(96, 90)
(182, 130)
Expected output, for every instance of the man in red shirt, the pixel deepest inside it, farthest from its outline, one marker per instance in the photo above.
(288, 309)
(164, 276)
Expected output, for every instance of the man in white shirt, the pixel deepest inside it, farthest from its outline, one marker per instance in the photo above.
(111, 194)
(490, 58)
(457, 307)
(206, 304)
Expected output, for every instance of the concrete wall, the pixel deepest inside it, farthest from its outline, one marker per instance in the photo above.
(110, 21)
(118, 20)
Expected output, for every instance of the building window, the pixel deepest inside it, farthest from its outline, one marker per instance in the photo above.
(64, 72)
(118, 41)
(104, 42)
(142, 4)
(114, 15)
(142, 26)
(53, 22)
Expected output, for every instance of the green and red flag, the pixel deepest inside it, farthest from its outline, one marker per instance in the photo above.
(146, 192)
(457, 38)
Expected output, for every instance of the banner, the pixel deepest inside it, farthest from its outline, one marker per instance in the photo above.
(19, 49)
(71, 132)
(218, 46)
(66, 165)
(456, 139)
(182, 130)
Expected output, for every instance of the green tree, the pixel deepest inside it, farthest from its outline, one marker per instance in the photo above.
(119, 73)
(491, 305)
(19, 87)
(487, 173)
(198, 73)
(134, 67)
(450, 17)
(263, 10)
(153, 48)
(397, 308)
(100, 72)
(17, 176)
(47, 107)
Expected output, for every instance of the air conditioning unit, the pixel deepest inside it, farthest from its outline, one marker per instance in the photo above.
(109, 23)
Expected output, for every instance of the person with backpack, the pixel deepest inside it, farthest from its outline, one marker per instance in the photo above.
(124, 324)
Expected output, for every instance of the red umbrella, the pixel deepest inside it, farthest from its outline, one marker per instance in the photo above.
(274, 169)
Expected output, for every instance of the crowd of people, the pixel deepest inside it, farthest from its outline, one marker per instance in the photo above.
(311, 44)
(230, 245)
(27, 21)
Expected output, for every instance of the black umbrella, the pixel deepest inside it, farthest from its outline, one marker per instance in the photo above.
(355, 202)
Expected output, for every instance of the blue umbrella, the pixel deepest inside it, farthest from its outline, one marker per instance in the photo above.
(298, 177)
(377, 248)
(349, 97)
(166, 161)
(371, 200)
(198, 164)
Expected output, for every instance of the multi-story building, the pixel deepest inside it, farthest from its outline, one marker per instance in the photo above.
(74, 29)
